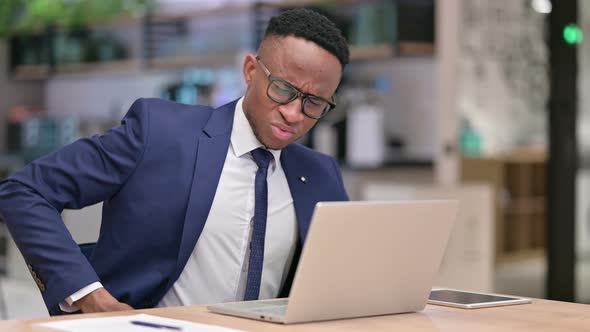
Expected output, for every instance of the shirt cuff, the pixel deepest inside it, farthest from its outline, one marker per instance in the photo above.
(68, 304)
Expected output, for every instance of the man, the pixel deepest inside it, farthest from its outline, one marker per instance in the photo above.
(201, 205)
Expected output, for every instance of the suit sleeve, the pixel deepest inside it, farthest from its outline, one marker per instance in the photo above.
(83, 173)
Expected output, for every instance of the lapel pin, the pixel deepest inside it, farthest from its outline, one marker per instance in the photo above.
(302, 179)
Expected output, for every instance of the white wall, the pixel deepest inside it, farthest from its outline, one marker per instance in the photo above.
(410, 105)
(413, 104)
(102, 96)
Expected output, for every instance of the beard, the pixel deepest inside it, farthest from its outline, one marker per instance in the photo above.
(259, 137)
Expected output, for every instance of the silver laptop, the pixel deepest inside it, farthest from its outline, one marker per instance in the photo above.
(361, 259)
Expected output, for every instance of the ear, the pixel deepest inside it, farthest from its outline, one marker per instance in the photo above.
(250, 67)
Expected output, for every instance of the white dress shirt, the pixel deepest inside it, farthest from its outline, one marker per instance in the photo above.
(217, 269)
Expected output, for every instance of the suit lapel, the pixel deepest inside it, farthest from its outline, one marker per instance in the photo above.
(304, 204)
(303, 200)
(211, 153)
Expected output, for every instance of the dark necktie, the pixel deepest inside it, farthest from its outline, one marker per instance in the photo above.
(262, 158)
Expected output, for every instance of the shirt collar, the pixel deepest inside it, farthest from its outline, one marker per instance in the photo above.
(243, 139)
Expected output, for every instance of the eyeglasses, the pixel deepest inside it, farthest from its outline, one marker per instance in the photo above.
(282, 92)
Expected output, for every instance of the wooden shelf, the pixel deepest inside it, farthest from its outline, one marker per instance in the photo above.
(39, 72)
(521, 256)
(171, 15)
(308, 3)
(30, 72)
(42, 72)
(225, 58)
(377, 52)
(526, 205)
(519, 182)
(228, 58)
(130, 65)
(121, 20)
(165, 14)
(373, 52)
(387, 51)
(411, 48)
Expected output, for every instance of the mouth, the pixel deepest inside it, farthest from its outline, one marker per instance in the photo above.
(282, 132)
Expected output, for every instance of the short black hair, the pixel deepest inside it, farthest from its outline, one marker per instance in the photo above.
(312, 26)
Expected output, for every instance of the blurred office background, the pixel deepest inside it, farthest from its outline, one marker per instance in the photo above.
(484, 101)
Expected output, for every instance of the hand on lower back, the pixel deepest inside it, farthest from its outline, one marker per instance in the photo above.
(100, 300)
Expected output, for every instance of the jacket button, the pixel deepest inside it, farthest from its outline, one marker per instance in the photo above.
(39, 284)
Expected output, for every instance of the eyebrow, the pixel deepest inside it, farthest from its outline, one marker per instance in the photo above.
(269, 74)
(300, 90)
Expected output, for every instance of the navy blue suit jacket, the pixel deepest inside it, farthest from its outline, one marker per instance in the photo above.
(157, 174)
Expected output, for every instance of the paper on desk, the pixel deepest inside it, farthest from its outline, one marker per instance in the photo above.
(123, 323)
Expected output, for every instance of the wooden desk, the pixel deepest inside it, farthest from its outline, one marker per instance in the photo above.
(539, 316)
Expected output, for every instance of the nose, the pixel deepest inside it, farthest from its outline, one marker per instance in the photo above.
(292, 112)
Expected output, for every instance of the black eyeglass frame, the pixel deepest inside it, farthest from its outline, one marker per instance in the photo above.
(298, 93)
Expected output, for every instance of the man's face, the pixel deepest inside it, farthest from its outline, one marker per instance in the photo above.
(303, 64)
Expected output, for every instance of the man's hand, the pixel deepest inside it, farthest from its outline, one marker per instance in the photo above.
(100, 300)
